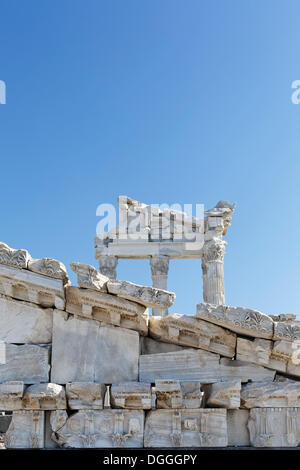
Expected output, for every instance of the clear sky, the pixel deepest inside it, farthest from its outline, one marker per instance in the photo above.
(175, 101)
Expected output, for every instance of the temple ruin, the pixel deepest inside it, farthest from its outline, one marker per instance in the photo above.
(88, 366)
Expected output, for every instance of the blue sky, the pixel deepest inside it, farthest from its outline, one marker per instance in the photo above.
(165, 101)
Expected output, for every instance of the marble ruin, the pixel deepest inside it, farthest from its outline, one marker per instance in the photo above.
(88, 366)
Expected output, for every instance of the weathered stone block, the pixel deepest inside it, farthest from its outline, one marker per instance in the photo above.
(201, 366)
(85, 395)
(282, 356)
(28, 363)
(107, 308)
(25, 285)
(175, 394)
(274, 427)
(47, 396)
(99, 428)
(24, 322)
(271, 394)
(287, 330)
(186, 428)
(237, 427)
(183, 365)
(168, 394)
(88, 351)
(192, 395)
(241, 320)
(11, 394)
(132, 395)
(244, 371)
(49, 267)
(88, 277)
(144, 295)
(225, 394)
(11, 257)
(192, 332)
(26, 430)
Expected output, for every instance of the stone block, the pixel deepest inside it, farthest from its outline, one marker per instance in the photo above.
(85, 395)
(282, 356)
(25, 285)
(99, 428)
(49, 267)
(287, 330)
(168, 394)
(192, 395)
(225, 394)
(88, 277)
(28, 363)
(131, 395)
(24, 322)
(144, 295)
(186, 428)
(237, 427)
(174, 394)
(202, 366)
(11, 257)
(189, 331)
(271, 394)
(11, 394)
(241, 320)
(107, 308)
(26, 430)
(274, 427)
(85, 350)
(47, 396)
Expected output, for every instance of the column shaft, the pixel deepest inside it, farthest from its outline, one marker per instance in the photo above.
(159, 270)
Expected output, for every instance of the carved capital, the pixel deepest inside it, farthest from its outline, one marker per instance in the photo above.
(213, 250)
(108, 266)
(159, 265)
(16, 258)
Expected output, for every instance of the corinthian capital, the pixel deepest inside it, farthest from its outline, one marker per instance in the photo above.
(108, 266)
(214, 250)
(159, 265)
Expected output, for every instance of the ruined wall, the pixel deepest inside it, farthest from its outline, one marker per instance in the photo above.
(86, 367)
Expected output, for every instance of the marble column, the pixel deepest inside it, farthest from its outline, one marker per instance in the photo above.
(213, 272)
(159, 271)
(108, 266)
